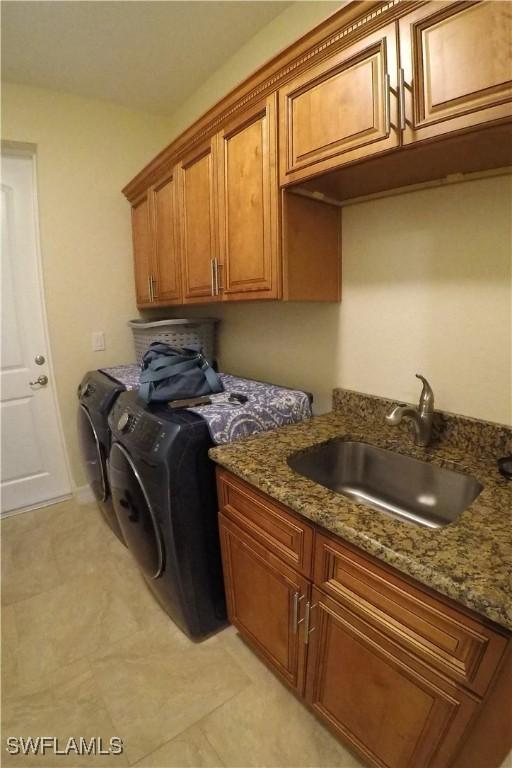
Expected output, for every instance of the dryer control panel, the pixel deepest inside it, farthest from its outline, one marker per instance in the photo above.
(138, 428)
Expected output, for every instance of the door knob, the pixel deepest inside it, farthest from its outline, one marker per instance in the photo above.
(39, 360)
(42, 380)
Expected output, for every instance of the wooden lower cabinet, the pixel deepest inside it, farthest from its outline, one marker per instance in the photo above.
(265, 598)
(389, 713)
(401, 675)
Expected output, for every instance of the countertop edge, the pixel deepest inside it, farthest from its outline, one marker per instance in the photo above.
(436, 581)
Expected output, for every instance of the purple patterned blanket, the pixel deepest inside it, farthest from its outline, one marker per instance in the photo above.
(268, 406)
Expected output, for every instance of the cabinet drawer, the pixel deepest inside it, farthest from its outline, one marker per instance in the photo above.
(267, 521)
(427, 628)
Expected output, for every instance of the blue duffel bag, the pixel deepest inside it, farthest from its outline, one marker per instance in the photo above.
(170, 373)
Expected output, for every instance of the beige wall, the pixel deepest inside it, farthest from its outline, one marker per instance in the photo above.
(426, 288)
(86, 151)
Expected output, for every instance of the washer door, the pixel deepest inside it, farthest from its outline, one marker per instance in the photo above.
(92, 454)
(133, 509)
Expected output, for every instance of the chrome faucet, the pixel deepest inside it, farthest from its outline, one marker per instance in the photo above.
(422, 416)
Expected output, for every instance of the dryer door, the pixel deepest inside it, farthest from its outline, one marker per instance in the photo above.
(134, 513)
(93, 455)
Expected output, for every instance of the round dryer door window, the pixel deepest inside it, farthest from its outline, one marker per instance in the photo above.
(92, 454)
(134, 513)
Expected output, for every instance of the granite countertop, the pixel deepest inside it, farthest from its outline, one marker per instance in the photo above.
(470, 560)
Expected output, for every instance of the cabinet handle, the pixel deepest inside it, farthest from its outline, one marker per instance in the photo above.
(153, 289)
(307, 620)
(297, 599)
(388, 104)
(295, 613)
(212, 268)
(150, 288)
(401, 93)
(216, 272)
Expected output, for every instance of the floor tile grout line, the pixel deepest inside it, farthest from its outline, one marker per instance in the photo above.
(248, 683)
(190, 725)
(198, 725)
(36, 594)
(177, 736)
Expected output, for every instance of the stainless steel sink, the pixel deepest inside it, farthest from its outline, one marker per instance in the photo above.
(389, 482)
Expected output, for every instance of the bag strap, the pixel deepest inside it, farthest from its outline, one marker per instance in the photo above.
(212, 378)
(145, 389)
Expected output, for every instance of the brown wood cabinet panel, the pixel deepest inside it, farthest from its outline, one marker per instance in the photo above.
(389, 713)
(341, 110)
(311, 249)
(248, 204)
(489, 741)
(429, 629)
(167, 278)
(265, 598)
(142, 249)
(267, 521)
(198, 218)
(457, 62)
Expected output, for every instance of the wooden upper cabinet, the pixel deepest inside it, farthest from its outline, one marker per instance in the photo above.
(457, 62)
(142, 248)
(166, 273)
(342, 110)
(198, 218)
(248, 204)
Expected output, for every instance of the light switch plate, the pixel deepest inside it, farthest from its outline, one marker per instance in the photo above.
(98, 341)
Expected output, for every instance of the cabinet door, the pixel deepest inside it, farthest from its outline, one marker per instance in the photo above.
(142, 249)
(457, 66)
(343, 110)
(248, 204)
(198, 219)
(390, 714)
(166, 283)
(266, 602)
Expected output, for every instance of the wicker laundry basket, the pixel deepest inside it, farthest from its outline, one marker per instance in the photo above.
(177, 333)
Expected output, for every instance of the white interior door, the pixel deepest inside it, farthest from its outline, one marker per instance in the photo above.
(33, 463)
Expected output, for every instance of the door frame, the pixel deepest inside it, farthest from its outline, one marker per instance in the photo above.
(27, 150)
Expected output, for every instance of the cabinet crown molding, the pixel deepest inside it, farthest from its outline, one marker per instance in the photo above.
(353, 21)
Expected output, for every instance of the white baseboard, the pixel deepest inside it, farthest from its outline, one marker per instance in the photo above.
(39, 505)
(83, 494)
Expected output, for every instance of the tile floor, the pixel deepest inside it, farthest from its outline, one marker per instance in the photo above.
(86, 651)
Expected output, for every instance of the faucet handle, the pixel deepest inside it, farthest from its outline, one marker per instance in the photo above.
(427, 394)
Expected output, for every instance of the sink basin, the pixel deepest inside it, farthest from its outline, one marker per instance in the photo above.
(389, 482)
